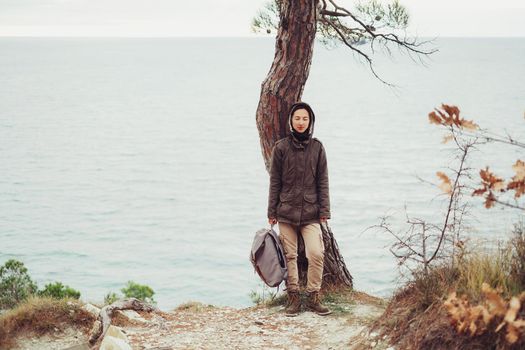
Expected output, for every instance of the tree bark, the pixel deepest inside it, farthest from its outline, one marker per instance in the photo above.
(285, 82)
(282, 87)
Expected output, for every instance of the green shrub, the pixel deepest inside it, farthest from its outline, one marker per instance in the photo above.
(110, 298)
(139, 291)
(267, 296)
(59, 291)
(15, 284)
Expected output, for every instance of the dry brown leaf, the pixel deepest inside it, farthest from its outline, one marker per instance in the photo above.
(512, 334)
(496, 304)
(473, 328)
(490, 200)
(479, 191)
(446, 185)
(519, 168)
(451, 110)
(487, 316)
(447, 138)
(518, 186)
(519, 323)
(514, 307)
(491, 180)
(462, 326)
(498, 186)
(469, 124)
(485, 174)
(476, 319)
(433, 118)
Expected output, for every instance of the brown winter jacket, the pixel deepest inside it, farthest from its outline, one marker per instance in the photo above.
(298, 182)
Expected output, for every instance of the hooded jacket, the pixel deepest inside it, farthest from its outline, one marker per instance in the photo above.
(298, 192)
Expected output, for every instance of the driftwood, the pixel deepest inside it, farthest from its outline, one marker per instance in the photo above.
(103, 322)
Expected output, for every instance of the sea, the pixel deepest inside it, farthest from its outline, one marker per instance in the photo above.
(138, 159)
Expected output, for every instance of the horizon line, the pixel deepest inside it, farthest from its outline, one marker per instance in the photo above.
(223, 36)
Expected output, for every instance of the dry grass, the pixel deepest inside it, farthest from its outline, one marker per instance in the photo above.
(493, 268)
(415, 317)
(194, 306)
(40, 315)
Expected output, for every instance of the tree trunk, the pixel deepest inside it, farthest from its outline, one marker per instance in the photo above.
(285, 82)
(335, 274)
(283, 87)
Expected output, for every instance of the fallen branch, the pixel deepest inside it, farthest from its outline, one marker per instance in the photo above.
(106, 313)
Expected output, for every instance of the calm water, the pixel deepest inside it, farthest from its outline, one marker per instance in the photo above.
(139, 159)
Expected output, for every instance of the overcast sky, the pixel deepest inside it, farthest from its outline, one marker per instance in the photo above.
(233, 17)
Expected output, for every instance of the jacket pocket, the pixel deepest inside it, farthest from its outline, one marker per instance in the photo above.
(311, 207)
(311, 198)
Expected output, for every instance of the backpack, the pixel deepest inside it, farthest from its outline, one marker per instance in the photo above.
(267, 257)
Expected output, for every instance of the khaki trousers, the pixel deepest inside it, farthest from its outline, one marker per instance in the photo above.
(314, 249)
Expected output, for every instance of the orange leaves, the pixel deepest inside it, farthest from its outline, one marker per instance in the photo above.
(434, 119)
(463, 317)
(491, 184)
(446, 185)
(491, 181)
(449, 115)
(518, 181)
(515, 325)
(496, 304)
(476, 320)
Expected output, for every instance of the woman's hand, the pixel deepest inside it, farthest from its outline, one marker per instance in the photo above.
(272, 221)
(324, 218)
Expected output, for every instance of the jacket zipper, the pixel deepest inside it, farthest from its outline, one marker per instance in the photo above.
(302, 187)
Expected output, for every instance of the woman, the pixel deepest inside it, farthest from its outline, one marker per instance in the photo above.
(299, 202)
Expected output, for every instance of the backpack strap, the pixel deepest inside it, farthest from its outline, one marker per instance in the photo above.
(279, 255)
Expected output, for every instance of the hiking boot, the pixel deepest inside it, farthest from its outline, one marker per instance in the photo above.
(314, 304)
(294, 304)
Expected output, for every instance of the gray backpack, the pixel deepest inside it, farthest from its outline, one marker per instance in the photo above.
(267, 257)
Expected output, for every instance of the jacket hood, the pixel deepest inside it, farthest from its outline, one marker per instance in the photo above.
(302, 105)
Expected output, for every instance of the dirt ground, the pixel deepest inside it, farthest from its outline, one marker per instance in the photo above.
(199, 326)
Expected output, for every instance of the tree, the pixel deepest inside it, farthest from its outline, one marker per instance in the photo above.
(298, 23)
(15, 283)
(59, 291)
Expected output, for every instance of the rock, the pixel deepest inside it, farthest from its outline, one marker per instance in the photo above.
(112, 343)
(92, 309)
(96, 330)
(259, 323)
(84, 346)
(373, 344)
(132, 315)
(114, 331)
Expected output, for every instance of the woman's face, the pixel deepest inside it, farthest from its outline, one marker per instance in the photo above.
(300, 120)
